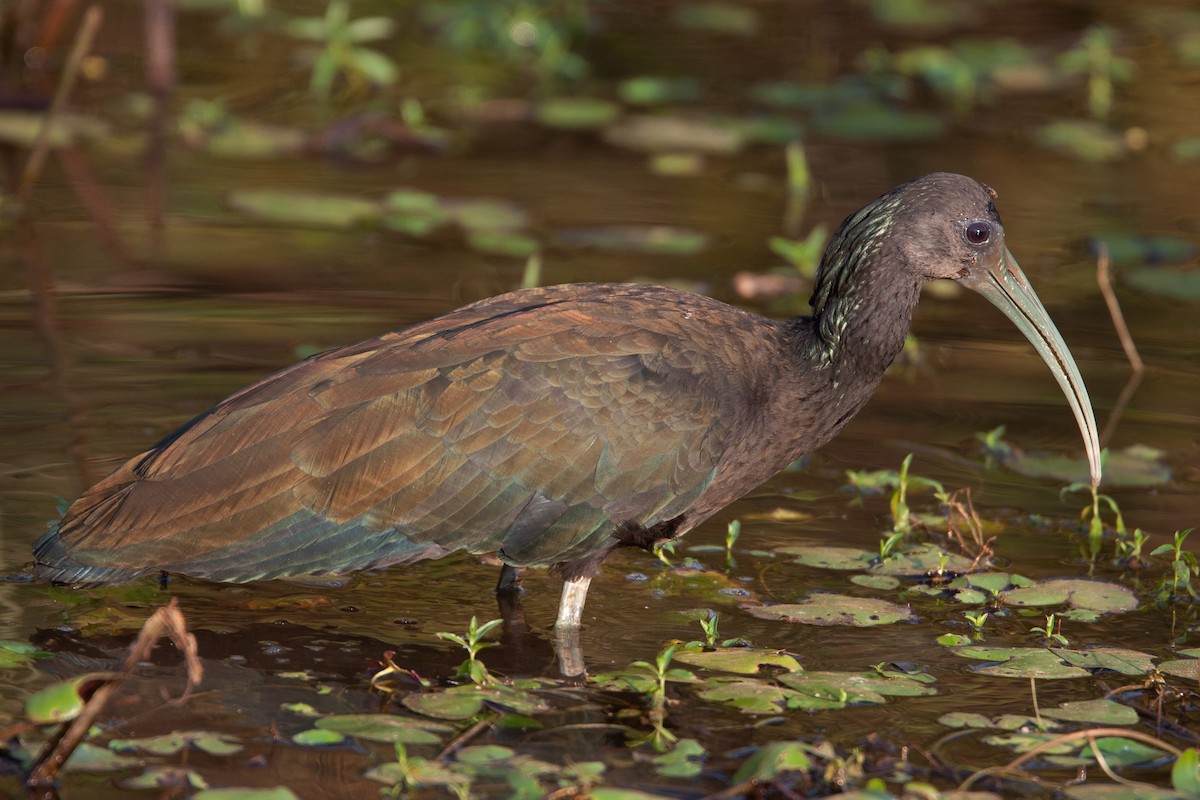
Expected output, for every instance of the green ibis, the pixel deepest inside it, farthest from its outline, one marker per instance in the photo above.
(545, 426)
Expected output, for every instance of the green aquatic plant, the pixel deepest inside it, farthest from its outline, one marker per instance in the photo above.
(473, 642)
(341, 48)
(732, 531)
(901, 514)
(1094, 57)
(1184, 569)
(977, 619)
(659, 737)
(1092, 516)
(802, 254)
(1052, 632)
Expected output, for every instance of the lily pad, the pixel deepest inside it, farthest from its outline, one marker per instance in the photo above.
(685, 760)
(20, 654)
(294, 207)
(315, 737)
(719, 17)
(921, 561)
(882, 582)
(990, 583)
(674, 134)
(1187, 668)
(655, 239)
(774, 759)
(1086, 140)
(836, 609)
(165, 777)
(503, 243)
(840, 689)
(1054, 663)
(650, 90)
(1182, 284)
(1078, 593)
(742, 660)
(1137, 466)
(64, 700)
(464, 702)
(385, 728)
(875, 122)
(217, 744)
(1096, 712)
(21, 128)
(829, 556)
(576, 113)
(965, 719)
(1135, 248)
(750, 696)
(272, 793)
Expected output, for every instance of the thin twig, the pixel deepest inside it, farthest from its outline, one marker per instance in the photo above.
(1088, 734)
(1114, 310)
(168, 621)
(83, 45)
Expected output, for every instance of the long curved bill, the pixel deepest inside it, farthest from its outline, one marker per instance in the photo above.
(1009, 290)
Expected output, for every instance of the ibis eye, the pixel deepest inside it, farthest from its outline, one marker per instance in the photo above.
(978, 232)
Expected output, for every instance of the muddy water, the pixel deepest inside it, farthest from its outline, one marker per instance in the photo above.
(139, 341)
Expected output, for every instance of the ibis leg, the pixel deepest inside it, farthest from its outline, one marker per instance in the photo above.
(570, 606)
(510, 579)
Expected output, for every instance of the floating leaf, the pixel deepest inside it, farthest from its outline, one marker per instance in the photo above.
(1095, 712)
(965, 719)
(1185, 668)
(1178, 283)
(772, 760)
(217, 744)
(829, 556)
(504, 243)
(788, 95)
(720, 17)
(20, 654)
(1086, 140)
(875, 122)
(840, 689)
(90, 758)
(883, 582)
(921, 561)
(836, 609)
(21, 128)
(304, 208)
(1134, 248)
(484, 214)
(674, 134)
(164, 778)
(742, 660)
(1185, 773)
(385, 728)
(648, 90)
(1111, 791)
(656, 239)
(464, 702)
(315, 737)
(1077, 592)
(1136, 466)
(686, 760)
(63, 701)
(576, 113)
(748, 695)
(1054, 663)
(992, 583)
(273, 793)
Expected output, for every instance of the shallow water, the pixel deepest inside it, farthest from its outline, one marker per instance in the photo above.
(133, 347)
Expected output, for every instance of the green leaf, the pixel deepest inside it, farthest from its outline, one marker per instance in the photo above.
(718, 17)
(576, 113)
(274, 793)
(772, 760)
(685, 760)
(654, 239)
(1097, 712)
(20, 654)
(749, 695)
(370, 29)
(63, 701)
(742, 660)
(318, 737)
(964, 719)
(304, 208)
(375, 67)
(385, 728)
(1076, 592)
(848, 688)
(1086, 140)
(217, 744)
(869, 121)
(829, 556)
(648, 90)
(836, 609)
(1182, 284)
(1185, 773)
